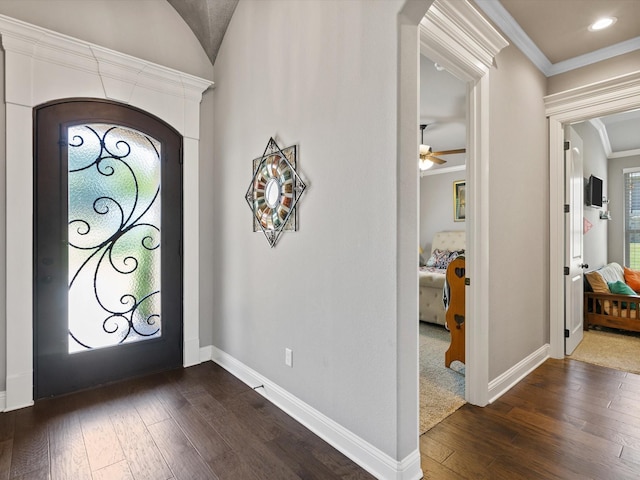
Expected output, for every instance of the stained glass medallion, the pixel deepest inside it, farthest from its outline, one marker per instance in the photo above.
(114, 211)
(274, 191)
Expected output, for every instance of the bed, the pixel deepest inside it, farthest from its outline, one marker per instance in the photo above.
(431, 279)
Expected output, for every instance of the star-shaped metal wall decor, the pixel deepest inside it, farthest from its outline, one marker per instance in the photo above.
(274, 191)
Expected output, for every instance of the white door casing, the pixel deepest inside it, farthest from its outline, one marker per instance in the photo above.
(574, 196)
(456, 36)
(615, 95)
(41, 65)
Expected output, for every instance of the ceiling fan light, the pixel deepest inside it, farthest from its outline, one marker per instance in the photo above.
(425, 164)
(602, 23)
(425, 150)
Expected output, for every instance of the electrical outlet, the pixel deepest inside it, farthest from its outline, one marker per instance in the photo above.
(288, 357)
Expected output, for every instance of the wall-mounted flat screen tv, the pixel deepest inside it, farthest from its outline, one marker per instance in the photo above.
(594, 191)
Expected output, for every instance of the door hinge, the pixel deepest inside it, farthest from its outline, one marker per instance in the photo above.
(566, 270)
(566, 333)
(467, 281)
(567, 208)
(567, 145)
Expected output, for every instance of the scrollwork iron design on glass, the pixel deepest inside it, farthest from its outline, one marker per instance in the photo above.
(114, 236)
(274, 191)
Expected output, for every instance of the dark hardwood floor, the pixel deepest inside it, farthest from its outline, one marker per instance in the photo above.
(566, 420)
(196, 423)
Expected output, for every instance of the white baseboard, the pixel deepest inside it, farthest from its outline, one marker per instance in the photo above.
(376, 462)
(206, 353)
(19, 391)
(191, 353)
(508, 379)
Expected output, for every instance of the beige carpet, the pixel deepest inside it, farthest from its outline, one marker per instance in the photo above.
(608, 349)
(441, 388)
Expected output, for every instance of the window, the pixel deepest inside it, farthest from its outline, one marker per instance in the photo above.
(632, 217)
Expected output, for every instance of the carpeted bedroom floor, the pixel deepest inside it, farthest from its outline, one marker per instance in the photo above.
(441, 388)
(610, 348)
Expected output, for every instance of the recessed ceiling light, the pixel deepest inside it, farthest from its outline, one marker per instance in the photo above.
(602, 23)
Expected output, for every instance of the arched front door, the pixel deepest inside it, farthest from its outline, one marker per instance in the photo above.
(107, 259)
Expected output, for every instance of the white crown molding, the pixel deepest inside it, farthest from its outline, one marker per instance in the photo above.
(357, 449)
(595, 99)
(596, 56)
(604, 136)
(441, 171)
(625, 153)
(55, 48)
(459, 38)
(503, 19)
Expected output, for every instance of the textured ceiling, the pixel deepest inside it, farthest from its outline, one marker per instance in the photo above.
(208, 19)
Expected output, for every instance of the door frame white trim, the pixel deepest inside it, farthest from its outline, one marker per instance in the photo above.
(458, 37)
(40, 66)
(607, 97)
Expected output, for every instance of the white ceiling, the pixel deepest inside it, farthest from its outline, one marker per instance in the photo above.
(554, 35)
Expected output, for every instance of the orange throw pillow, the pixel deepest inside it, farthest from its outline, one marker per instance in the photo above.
(632, 278)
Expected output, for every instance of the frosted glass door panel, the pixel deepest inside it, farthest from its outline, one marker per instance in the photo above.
(114, 217)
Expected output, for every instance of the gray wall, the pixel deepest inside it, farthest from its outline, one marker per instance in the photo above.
(595, 245)
(616, 205)
(327, 291)
(519, 212)
(436, 207)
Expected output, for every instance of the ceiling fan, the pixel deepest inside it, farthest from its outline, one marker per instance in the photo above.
(428, 157)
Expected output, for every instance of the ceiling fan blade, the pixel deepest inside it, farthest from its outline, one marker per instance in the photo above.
(436, 160)
(450, 152)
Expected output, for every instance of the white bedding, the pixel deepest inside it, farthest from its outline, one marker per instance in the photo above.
(432, 277)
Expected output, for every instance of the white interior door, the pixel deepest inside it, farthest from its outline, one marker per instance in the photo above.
(574, 264)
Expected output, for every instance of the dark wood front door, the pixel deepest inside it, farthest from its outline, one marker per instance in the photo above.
(107, 259)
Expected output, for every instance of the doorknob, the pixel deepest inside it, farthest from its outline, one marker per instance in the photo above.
(584, 265)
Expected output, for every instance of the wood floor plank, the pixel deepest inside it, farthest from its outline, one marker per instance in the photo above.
(41, 473)
(434, 470)
(68, 455)
(5, 458)
(431, 448)
(218, 455)
(7, 423)
(30, 443)
(181, 456)
(100, 439)
(263, 462)
(140, 451)
(116, 471)
(297, 457)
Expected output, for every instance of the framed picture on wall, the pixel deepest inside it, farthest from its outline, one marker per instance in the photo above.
(459, 200)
